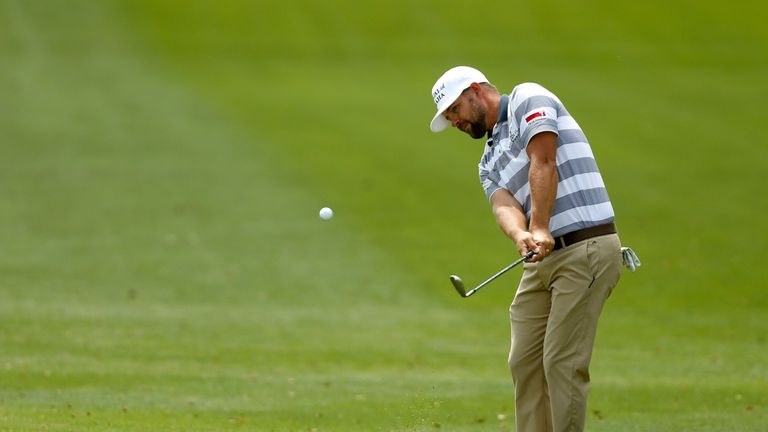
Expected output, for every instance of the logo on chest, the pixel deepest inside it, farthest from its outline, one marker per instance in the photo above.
(514, 137)
(514, 145)
(506, 140)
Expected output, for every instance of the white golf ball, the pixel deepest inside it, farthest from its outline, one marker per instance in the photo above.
(326, 213)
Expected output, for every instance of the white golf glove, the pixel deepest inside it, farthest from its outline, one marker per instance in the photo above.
(631, 261)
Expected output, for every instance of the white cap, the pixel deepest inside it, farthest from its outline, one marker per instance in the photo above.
(448, 88)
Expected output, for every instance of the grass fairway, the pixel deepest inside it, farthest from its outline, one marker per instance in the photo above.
(163, 268)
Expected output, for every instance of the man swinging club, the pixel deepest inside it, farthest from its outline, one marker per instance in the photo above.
(547, 195)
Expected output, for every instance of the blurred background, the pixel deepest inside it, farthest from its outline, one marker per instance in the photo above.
(163, 265)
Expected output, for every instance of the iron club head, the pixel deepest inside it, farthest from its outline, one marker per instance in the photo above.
(459, 285)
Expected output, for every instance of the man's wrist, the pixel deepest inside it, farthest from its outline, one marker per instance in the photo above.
(534, 226)
(514, 233)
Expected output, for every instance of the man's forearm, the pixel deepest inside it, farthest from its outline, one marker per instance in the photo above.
(542, 176)
(511, 220)
(543, 179)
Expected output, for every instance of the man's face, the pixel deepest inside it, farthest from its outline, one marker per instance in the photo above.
(467, 114)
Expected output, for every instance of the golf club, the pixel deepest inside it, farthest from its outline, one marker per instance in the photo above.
(459, 285)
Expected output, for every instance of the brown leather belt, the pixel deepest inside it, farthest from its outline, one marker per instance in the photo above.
(583, 234)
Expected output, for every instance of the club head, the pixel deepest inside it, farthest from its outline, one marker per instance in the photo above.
(459, 285)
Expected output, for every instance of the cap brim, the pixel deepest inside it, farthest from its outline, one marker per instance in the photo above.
(439, 123)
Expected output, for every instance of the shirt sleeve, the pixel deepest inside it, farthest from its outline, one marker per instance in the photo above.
(537, 113)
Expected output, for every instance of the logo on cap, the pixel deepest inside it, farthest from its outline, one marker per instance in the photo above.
(438, 93)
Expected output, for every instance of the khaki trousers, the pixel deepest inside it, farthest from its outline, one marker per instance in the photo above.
(554, 320)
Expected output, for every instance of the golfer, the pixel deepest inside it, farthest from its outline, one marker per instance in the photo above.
(547, 194)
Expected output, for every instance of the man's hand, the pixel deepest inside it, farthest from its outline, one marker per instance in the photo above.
(544, 243)
(525, 242)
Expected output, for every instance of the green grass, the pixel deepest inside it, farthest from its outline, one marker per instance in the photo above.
(163, 266)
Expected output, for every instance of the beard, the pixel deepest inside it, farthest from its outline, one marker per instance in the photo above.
(476, 122)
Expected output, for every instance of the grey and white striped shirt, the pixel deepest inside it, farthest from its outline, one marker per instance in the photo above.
(582, 200)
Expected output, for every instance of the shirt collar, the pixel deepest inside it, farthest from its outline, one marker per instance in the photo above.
(503, 103)
(502, 117)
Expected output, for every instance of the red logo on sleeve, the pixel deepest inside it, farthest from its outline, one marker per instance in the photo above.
(537, 114)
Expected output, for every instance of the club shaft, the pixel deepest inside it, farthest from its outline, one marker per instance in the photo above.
(501, 272)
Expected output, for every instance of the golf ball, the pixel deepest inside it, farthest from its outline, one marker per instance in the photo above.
(326, 213)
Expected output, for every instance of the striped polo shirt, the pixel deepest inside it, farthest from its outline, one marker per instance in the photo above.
(582, 200)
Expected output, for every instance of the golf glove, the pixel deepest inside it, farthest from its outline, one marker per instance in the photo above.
(631, 261)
